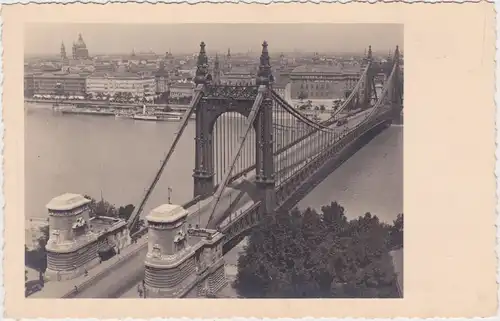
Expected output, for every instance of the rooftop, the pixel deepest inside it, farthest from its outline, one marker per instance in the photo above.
(67, 202)
(337, 69)
(238, 71)
(117, 75)
(167, 213)
(182, 85)
(58, 75)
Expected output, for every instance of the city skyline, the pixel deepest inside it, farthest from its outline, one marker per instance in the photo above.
(46, 39)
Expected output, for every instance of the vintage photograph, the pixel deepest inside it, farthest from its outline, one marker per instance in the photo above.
(213, 160)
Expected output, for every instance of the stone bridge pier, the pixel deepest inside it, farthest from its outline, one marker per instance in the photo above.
(78, 242)
(181, 261)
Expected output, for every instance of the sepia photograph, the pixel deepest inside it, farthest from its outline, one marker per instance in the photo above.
(213, 160)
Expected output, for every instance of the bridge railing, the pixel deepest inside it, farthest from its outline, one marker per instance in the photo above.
(234, 216)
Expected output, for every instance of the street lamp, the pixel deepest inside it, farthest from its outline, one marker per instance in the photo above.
(169, 190)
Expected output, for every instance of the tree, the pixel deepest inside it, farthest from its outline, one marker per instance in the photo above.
(101, 208)
(125, 212)
(302, 95)
(306, 254)
(104, 208)
(117, 96)
(334, 217)
(396, 233)
(164, 97)
(322, 107)
(36, 258)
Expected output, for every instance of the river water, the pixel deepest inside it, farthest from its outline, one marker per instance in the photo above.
(117, 158)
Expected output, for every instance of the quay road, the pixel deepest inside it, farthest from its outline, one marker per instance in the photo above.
(130, 273)
(102, 103)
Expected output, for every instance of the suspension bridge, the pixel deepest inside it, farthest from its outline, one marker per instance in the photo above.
(272, 159)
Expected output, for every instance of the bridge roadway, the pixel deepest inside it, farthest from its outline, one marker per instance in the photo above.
(236, 197)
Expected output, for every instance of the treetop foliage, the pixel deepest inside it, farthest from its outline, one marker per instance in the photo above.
(310, 254)
(104, 208)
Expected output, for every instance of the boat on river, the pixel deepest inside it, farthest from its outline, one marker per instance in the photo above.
(122, 115)
(145, 117)
(159, 116)
(81, 111)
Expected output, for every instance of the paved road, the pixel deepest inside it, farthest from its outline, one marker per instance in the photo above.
(119, 280)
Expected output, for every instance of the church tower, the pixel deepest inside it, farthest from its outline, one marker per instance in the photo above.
(216, 72)
(63, 52)
(228, 60)
(73, 50)
(283, 61)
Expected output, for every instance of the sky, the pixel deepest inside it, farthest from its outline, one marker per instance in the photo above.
(46, 38)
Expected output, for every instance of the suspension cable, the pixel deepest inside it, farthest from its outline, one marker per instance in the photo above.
(198, 93)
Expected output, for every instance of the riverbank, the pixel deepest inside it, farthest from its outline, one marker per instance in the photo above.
(142, 113)
(44, 103)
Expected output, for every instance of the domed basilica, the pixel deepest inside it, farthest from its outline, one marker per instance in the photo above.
(80, 50)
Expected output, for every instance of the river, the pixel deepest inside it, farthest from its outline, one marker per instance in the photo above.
(117, 158)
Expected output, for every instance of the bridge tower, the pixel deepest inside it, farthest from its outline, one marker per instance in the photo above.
(181, 262)
(209, 109)
(396, 89)
(168, 264)
(264, 133)
(72, 245)
(203, 168)
(369, 80)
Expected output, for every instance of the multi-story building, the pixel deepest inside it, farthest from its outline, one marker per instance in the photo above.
(143, 55)
(181, 90)
(110, 84)
(238, 76)
(105, 67)
(280, 89)
(56, 83)
(161, 79)
(281, 80)
(29, 85)
(323, 81)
